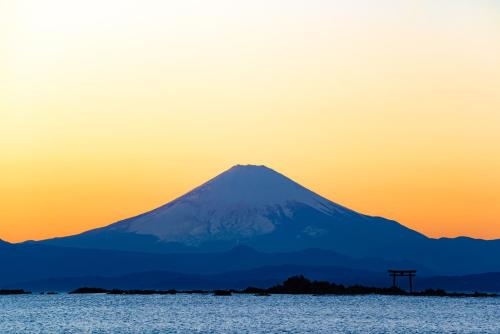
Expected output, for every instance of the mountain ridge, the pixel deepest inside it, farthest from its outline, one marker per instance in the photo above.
(263, 209)
(24, 262)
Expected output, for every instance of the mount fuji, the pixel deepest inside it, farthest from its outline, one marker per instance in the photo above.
(258, 207)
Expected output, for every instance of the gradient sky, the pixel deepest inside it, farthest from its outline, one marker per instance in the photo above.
(111, 108)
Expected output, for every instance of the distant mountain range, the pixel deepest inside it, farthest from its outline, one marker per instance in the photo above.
(258, 207)
(26, 262)
(246, 218)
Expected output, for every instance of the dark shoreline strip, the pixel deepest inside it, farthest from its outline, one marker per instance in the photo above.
(296, 285)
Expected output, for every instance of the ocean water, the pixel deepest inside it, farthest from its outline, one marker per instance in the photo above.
(246, 314)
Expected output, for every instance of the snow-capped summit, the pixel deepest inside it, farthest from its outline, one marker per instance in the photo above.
(238, 203)
(256, 187)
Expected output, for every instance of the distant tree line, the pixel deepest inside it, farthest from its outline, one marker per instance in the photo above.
(295, 285)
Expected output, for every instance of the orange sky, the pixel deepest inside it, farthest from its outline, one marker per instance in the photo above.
(108, 109)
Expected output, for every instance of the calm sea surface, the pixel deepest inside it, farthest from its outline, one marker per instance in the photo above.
(246, 314)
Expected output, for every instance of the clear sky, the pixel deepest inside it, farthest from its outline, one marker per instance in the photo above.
(111, 108)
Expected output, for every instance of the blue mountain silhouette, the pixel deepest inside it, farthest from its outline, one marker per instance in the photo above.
(263, 209)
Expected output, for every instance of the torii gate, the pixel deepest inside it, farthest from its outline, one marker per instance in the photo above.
(399, 273)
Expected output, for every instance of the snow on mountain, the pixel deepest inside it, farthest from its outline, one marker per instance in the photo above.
(238, 203)
(259, 208)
